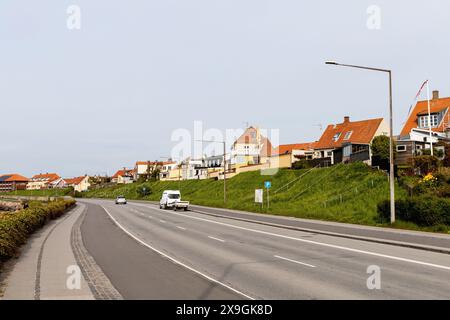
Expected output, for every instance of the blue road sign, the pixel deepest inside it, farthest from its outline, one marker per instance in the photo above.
(267, 184)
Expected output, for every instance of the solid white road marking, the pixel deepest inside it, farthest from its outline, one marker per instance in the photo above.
(162, 221)
(174, 260)
(294, 261)
(217, 239)
(311, 241)
(181, 228)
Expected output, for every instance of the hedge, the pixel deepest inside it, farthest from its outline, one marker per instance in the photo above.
(423, 210)
(15, 227)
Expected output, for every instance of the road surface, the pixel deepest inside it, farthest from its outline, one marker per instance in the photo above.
(149, 253)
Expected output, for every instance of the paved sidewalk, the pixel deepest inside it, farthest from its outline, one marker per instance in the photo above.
(47, 264)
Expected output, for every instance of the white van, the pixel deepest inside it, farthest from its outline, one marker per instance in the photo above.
(172, 199)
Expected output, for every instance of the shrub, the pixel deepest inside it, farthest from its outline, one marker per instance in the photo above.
(380, 147)
(16, 227)
(443, 175)
(439, 153)
(301, 164)
(446, 161)
(426, 164)
(423, 211)
(143, 191)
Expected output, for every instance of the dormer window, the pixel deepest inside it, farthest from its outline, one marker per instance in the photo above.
(336, 136)
(348, 135)
(423, 121)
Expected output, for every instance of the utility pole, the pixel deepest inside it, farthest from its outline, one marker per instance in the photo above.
(391, 135)
(429, 119)
(224, 173)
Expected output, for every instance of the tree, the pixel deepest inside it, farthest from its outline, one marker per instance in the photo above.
(380, 147)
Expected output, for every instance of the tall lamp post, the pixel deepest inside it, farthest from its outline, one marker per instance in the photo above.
(224, 167)
(391, 128)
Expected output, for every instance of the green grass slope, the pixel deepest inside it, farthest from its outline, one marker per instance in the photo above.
(344, 193)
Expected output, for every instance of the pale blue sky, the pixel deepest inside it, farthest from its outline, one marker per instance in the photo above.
(94, 100)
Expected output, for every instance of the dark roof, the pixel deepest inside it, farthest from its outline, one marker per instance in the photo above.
(4, 178)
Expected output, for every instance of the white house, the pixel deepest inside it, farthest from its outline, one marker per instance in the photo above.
(251, 148)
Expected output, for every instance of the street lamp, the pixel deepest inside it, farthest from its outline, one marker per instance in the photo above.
(391, 128)
(224, 167)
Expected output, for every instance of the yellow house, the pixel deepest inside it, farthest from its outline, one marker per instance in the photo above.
(286, 154)
(79, 184)
(123, 176)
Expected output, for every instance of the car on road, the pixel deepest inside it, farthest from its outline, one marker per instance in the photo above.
(121, 200)
(172, 199)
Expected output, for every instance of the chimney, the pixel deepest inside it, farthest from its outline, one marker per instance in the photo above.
(435, 94)
(346, 119)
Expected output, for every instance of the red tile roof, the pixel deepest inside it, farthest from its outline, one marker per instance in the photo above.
(159, 163)
(50, 177)
(123, 173)
(145, 163)
(421, 107)
(74, 181)
(361, 132)
(14, 177)
(287, 148)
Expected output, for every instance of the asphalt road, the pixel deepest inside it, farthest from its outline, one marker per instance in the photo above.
(149, 253)
(427, 239)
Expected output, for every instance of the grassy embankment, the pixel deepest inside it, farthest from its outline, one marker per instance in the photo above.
(344, 193)
(41, 193)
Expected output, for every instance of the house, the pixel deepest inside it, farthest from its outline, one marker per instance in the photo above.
(349, 141)
(415, 134)
(286, 154)
(166, 168)
(193, 169)
(12, 182)
(79, 184)
(45, 181)
(439, 112)
(251, 148)
(123, 176)
(145, 168)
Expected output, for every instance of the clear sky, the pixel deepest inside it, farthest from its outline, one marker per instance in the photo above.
(97, 99)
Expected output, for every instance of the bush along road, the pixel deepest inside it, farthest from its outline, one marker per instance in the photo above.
(16, 227)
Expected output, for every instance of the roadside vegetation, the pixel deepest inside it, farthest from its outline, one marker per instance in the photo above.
(16, 227)
(42, 193)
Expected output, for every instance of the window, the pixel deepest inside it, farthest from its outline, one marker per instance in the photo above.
(418, 147)
(423, 121)
(336, 136)
(347, 151)
(401, 148)
(329, 153)
(348, 135)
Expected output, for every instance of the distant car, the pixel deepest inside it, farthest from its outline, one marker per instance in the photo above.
(172, 199)
(121, 200)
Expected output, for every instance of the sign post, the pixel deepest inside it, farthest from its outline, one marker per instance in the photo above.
(267, 185)
(259, 196)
